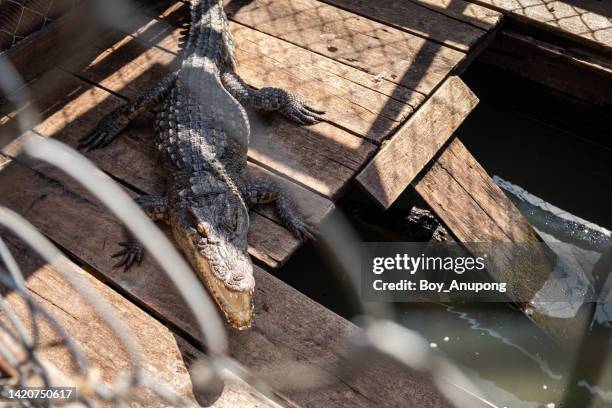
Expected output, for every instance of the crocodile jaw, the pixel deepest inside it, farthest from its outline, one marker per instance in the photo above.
(234, 297)
(236, 306)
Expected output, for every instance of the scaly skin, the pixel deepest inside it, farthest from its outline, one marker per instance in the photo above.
(202, 138)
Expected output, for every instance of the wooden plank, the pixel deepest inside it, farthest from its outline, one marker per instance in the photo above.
(165, 355)
(474, 209)
(412, 17)
(288, 327)
(132, 157)
(322, 157)
(398, 162)
(38, 51)
(160, 32)
(380, 50)
(266, 61)
(351, 106)
(352, 99)
(465, 11)
(455, 173)
(564, 70)
(586, 21)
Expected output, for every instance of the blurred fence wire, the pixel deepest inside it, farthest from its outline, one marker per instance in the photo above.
(19, 351)
(20, 18)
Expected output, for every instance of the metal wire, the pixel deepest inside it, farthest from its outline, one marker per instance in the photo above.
(380, 337)
(20, 18)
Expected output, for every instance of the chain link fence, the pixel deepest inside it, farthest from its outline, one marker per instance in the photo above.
(20, 18)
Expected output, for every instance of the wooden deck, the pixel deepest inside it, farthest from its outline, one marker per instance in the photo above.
(588, 22)
(565, 45)
(371, 68)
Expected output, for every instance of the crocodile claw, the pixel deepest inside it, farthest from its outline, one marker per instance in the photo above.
(103, 134)
(132, 253)
(302, 230)
(297, 111)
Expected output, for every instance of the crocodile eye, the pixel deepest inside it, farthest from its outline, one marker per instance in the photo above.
(232, 221)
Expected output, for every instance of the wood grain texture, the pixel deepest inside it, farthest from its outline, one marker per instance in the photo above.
(373, 47)
(160, 32)
(398, 162)
(165, 356)
(322, 157)
(38, 51)
(578, 74)
(352, 99)
(430, 22)
(71, 108)
(586, 21)
(463, 10)
(288, 327)
(474, 209)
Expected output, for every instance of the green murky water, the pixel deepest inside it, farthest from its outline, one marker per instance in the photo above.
(558, 155)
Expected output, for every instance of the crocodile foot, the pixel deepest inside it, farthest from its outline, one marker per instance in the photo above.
(104, 133)
(131, 254)
(301, 230)
(298, 111)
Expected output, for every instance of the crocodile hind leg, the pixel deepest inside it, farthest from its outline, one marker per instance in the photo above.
(264, 191)
(155, 207)
(112, 124)
(271, 99)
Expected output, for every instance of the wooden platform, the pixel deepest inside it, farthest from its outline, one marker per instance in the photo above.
(371, 68)
(588, 22)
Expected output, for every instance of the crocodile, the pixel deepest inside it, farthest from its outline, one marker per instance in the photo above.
(202, 136)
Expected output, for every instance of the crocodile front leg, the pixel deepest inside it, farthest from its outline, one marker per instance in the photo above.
(112, 124)
(264, 191)
(156, 208)
(272, 99)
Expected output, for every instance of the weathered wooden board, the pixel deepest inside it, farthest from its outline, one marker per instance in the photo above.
(288, 327)
(322, 157)
(398, 162)
(165, 355)
(456, 173)
(156, 31)
(475, 209)
(39, 51)
(431, 21)
(465, 11)
(132, 157)
(352, 99)
(373, 47)
(587, 21)
(578, 74)
(266, 61)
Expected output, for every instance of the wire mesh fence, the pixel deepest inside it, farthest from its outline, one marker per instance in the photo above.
(20, 341)
(21, 362)
(20, 18)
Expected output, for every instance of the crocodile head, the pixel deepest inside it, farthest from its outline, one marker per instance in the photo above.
(216, 247)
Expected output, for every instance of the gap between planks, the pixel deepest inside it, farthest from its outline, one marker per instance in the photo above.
(288, 327)
(399, 161)
(584, 21)
(355, 100)
(369, 46)
(428, 19)
(132, 159)
(101, 346)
